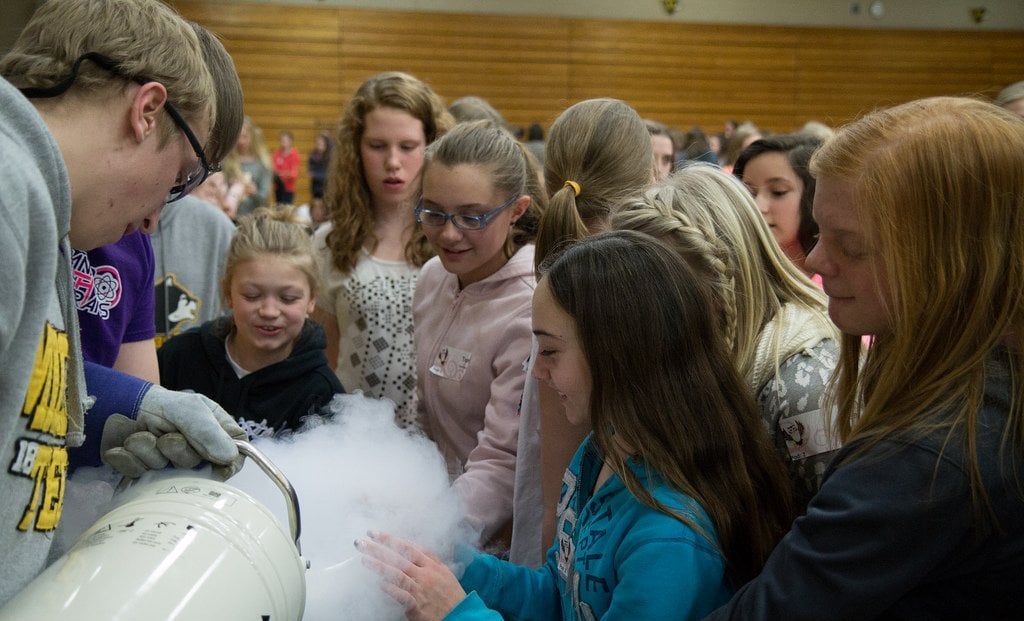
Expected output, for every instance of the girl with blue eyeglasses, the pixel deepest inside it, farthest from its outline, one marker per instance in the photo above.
(479, 209)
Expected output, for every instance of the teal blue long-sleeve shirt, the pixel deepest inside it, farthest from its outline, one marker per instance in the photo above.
(614, 558)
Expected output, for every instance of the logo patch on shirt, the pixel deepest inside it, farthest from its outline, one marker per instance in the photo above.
(97, 289)
(177, 308)
(451, 363)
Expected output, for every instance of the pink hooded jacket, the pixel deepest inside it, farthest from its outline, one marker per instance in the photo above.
(471, 346)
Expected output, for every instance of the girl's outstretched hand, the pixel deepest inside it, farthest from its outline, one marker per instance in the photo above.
(413, 576)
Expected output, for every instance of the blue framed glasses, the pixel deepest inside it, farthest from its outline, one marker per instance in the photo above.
(195, 177)
(461, 221)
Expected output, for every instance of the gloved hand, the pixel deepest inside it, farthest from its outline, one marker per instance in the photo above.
(180, 427)
(128, 448)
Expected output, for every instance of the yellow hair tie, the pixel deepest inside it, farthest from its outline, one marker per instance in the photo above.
(575, 187)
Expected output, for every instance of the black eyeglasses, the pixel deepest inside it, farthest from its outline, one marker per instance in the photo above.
(461, 221)
(193, 178)
(203, 169)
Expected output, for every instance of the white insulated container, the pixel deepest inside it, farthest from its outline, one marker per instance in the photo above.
(183, 548)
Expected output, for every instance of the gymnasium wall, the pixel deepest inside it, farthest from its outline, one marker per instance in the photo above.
(298, 64)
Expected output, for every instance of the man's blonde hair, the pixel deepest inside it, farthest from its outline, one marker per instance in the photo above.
(143, 38)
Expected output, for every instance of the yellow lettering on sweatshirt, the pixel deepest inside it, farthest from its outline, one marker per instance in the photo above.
(47, 466)
(46, 400)
(46, 408)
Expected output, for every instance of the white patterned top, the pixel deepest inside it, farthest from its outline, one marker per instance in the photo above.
(373, 306)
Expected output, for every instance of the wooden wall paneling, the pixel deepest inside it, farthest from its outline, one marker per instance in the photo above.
(1007, 61)
(288, 61)
(517, 66)
(299, 64)
(845, 74)
(686, 75)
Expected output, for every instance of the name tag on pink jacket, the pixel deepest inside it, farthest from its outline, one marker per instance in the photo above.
(451, 363)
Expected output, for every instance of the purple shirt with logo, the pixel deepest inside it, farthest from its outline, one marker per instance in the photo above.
(113, 288)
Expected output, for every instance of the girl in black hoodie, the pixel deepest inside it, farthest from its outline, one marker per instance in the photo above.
(264, 362)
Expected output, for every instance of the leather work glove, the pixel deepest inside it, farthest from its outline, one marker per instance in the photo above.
(178, 427)
(128, 448)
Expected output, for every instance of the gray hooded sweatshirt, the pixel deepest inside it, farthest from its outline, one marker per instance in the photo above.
(41, 385)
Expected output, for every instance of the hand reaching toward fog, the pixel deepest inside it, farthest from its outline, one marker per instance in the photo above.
(413, 576)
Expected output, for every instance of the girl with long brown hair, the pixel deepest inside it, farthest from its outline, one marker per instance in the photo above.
(921, 514)
(371, 251)
(672, 500)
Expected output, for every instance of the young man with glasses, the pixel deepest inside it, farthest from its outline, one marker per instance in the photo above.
(114, 291)
(116, 100)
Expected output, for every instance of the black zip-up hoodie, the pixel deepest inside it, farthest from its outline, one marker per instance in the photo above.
(265, 402)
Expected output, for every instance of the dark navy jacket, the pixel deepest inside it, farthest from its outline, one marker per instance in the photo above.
(893, 533)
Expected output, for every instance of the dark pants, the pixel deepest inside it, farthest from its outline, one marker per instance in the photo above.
(281, 195)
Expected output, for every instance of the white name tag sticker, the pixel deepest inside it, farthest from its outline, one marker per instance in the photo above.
(451, 363)
(806, 435)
